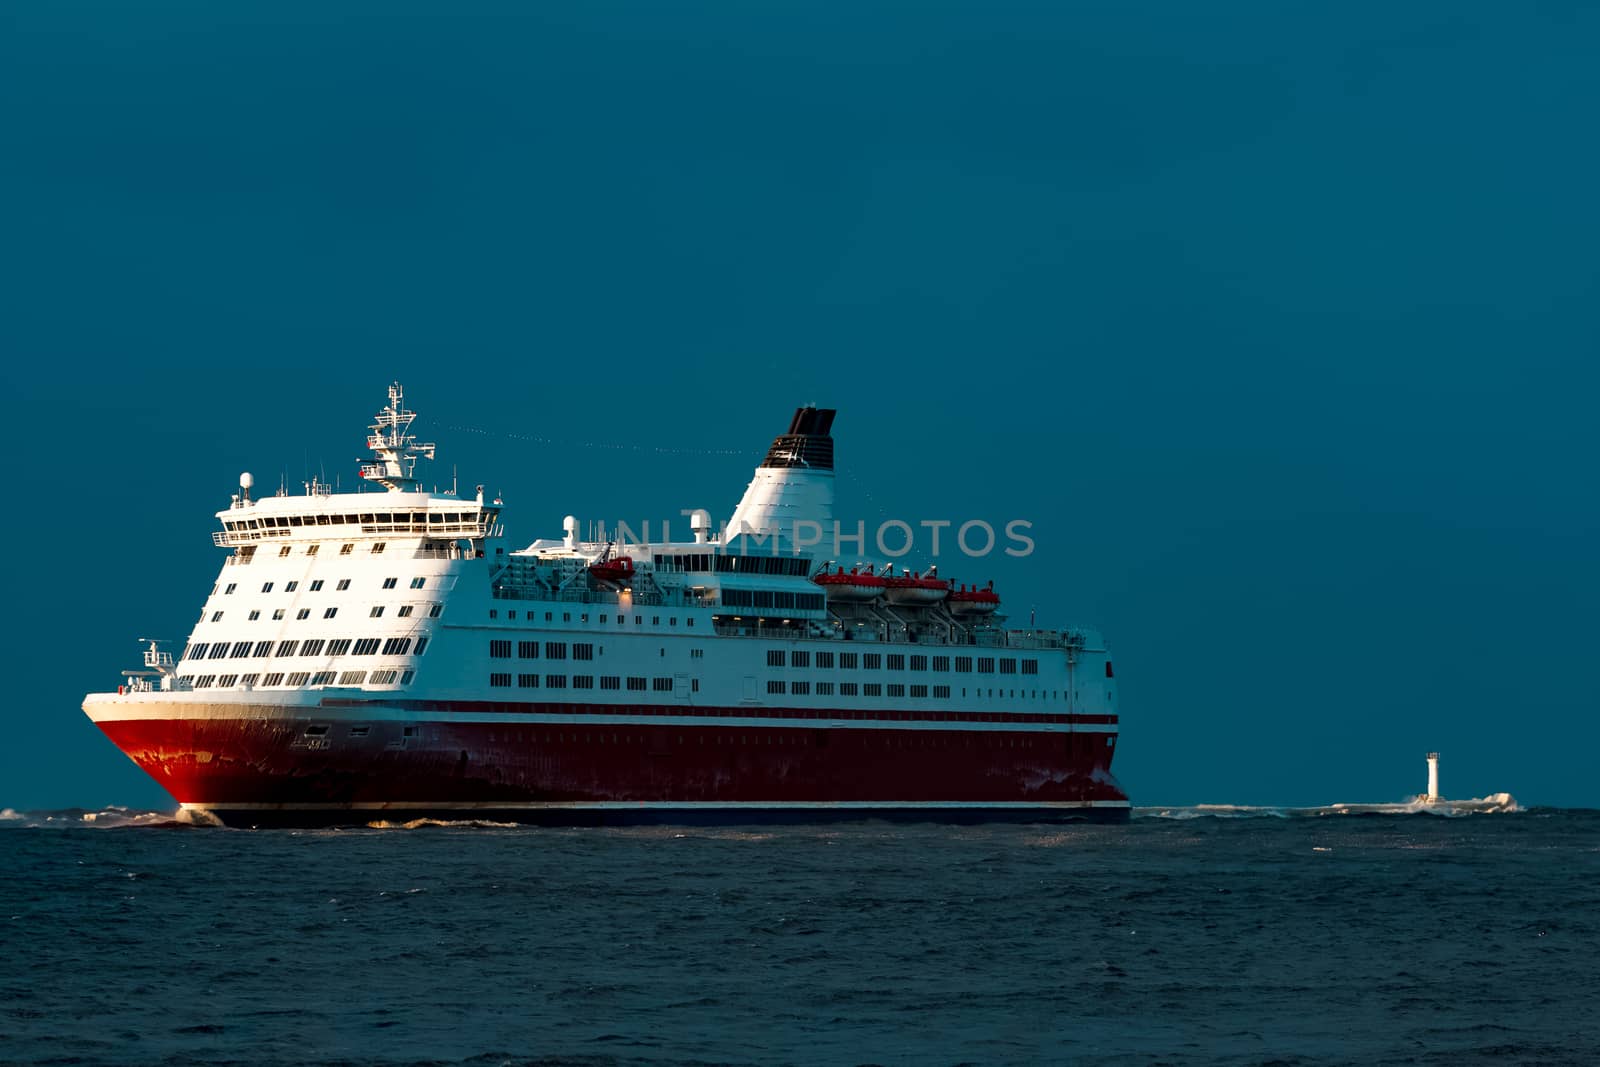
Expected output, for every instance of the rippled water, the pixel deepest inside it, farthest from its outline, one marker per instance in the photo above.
(1189, 936)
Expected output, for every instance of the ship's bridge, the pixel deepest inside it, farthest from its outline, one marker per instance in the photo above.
(286, 518)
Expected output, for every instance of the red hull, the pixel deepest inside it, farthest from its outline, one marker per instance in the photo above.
(254, 763)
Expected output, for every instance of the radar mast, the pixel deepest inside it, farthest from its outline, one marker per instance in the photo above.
(396, 450)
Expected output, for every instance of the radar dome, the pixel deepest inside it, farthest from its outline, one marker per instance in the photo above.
(246, 480)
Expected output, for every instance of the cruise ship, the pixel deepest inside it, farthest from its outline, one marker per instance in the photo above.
(383, 655)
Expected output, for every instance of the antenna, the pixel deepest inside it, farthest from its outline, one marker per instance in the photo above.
(395, 448)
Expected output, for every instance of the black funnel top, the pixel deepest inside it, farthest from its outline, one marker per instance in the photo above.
(807, 443)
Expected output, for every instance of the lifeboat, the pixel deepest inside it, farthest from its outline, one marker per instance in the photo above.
(914, 589)
(857, 585)
(974, 601)
(618, 569)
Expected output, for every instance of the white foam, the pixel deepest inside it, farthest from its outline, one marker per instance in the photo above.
(1493, 804)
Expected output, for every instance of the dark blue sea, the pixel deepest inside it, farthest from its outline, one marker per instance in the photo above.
(1185, 937)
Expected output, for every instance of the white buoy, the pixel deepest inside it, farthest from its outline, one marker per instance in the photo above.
(1433, 796)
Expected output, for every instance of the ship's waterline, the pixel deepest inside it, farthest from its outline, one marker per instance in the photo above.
(377, 651)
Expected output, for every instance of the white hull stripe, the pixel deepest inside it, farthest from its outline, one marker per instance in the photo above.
(379, 713)
(670, 805)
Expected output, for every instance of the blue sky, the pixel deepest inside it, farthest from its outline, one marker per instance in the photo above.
(1279, 323)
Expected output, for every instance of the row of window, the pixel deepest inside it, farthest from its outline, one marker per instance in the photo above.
(849, 689)
(501, 649)
(404, 611)
(317, 646)
(384, 676)
(566, 616)
(894, 661)
(767, 598)
(706, 562)
(316, 584)
(381, 518)
(502, 680)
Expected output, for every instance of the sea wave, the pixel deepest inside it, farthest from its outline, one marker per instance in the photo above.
(1493, 804)
(418, 824)
(113, 817)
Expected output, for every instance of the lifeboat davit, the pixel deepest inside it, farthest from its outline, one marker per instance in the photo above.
(915, 589)
(974, 601)
(618, 569)
(858, 585)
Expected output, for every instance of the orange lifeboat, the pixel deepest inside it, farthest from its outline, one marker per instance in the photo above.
(914, 589)
(975, 601)
(858, 585)
(618, 570)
